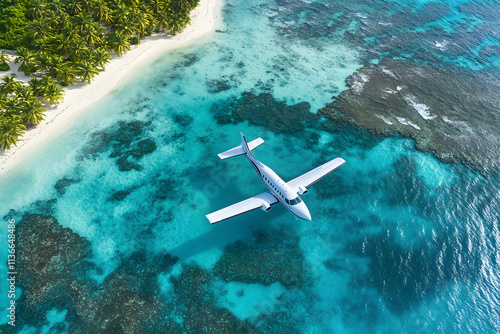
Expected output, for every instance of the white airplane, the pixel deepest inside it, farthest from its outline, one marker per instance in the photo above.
(279, 191)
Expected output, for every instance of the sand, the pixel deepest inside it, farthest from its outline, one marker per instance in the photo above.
(204, 21)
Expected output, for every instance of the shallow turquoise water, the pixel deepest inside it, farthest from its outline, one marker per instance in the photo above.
(399, 241)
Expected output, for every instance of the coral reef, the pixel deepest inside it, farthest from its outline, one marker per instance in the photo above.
(273, 256)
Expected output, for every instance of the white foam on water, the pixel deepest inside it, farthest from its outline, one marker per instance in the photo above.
(441, 45)
(359, 82)
(404, 121)
(386, 120)
(458, 124)
(422, 109)
(388, 72)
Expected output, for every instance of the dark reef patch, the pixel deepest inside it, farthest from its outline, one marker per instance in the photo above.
(218, 85)
(200, 313)
(62, 184)
(52, 272)
(263, 110)
(120, 195)
(53, 275)
(393, 29)
(121, 135)
(449, 112)
(127, 142)
(273, 256)
(183, 120)
(51, 262)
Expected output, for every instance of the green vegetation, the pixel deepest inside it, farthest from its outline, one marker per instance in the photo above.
(61, 42)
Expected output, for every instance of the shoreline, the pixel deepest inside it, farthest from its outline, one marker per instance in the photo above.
(205, 19)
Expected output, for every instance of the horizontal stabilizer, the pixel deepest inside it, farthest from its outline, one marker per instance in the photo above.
(238, 150)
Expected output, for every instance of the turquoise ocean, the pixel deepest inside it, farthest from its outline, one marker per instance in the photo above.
(111, 232)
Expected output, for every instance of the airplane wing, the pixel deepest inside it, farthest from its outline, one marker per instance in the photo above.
(307, 179)
(241, 207)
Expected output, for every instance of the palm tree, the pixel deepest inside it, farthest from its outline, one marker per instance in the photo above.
(62, 44)
(121, 11)
(177, 22)
(32, 111)
(163, 20)
(40, 29)
(12, 106)
(125, 28)
(74, 7)
(35, 86)
(44, 84)
(100, 9)
(194, 3)
(9, 84)
(4, 57)
(82, 20)
(64, 18)
(120, 43)
(101, 57)
(54, 94)
(142, 22)
(25, 93)
(182, 7)
(67, 74)
(87, 5)
(107, 17)
(77, 49)
(42, 60)
(56, 6)
(25, 57)
(3, 100)
(55, 64)
(157, 6)
(86, 71)
(69, 31)
(52, 19)
(10, 129)
(93, 33)
(36, 9)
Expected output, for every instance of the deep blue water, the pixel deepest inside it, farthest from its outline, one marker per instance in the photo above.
(400, 242)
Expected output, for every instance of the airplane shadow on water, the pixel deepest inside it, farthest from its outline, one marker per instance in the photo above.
(229, 231)
(278, 191)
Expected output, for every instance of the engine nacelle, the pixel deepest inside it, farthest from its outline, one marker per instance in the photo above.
(302, 190)
(265, 207)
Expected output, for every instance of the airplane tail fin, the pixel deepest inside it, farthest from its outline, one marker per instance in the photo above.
(244, 148)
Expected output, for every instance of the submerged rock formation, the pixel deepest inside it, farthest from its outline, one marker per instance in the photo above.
(284, 262)
(52, 273)
(128, 142)
(264, 110)
(453, 114)
(200, 314)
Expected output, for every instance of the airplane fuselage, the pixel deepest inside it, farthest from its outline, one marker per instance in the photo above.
(287, 193)
(279, 189)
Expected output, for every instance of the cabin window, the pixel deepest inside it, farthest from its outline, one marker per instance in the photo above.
(296, 201)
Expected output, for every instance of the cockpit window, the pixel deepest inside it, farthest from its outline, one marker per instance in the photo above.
(295, 201)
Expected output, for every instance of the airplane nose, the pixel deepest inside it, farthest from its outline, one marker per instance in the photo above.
(305, 213)
(307, 216)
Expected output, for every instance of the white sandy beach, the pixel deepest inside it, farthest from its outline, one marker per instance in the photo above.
(204, 20)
